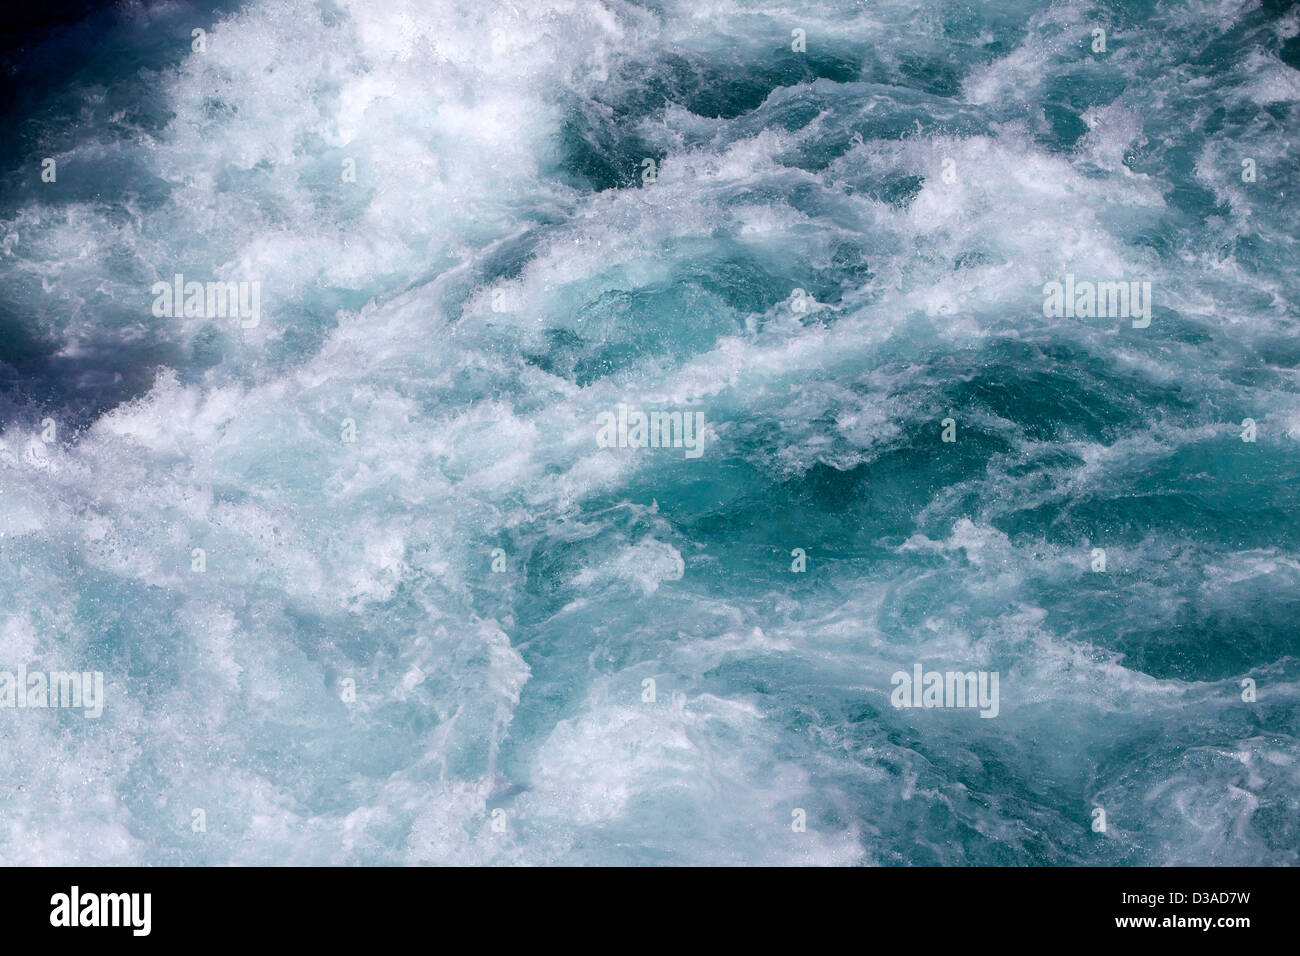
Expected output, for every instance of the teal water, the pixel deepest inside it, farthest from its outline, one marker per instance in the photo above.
(800, 269)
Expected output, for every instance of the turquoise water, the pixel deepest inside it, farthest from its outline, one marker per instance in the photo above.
(831, 251)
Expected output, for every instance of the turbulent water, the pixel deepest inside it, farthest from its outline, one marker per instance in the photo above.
(362, 582)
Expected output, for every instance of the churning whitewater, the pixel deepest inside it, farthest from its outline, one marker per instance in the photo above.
(598, 432)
